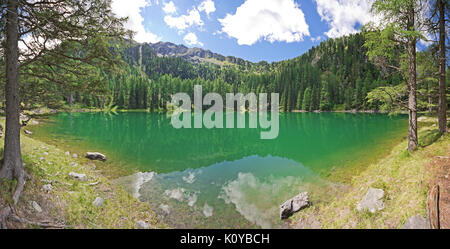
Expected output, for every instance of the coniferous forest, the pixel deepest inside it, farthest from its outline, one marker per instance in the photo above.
(335, 75)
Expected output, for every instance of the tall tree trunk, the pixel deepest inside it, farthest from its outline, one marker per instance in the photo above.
(70, 99)
(412, 102)
(430, 98)
(12, 161)
(442, 116)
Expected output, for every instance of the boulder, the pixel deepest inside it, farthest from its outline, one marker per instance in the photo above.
(141, 225)
(293, 205)
(417, 222)
(36, 206)
(79, 177)
(95, 156)
(47, 187)
(372, 201)
(98, 202)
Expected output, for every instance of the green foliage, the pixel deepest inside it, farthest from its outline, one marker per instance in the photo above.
(388, 98)
(306, 106)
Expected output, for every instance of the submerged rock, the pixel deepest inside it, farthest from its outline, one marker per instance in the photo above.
(293, 205)
(416, 222)
(177, 194)
(95, 156)
(372, 201)
(79, 177)
(141, 225)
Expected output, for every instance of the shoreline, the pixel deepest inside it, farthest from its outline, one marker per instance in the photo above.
(297, 221)
(65, 202)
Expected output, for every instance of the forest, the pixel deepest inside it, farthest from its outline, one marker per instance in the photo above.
(334, 76)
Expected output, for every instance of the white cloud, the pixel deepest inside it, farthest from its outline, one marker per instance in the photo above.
(132, 9)
(343, 15)
(184, 21)
(169, 8)
(280, 20)
(191, 39)
(317, 38)
(207, 6)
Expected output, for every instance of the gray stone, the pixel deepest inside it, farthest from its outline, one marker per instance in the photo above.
(73, 164)
(416, 222)
(165, 208)
(36, 206)
(141, 225)
(67, 153)
(80, 177)
(372, 201)
(95, 156)
(293, 205)
(27, 132)
(98, 202)
(45, 153)
(74, 155)
(47, 187)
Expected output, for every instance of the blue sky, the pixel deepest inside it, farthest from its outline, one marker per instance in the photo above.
(255, 30)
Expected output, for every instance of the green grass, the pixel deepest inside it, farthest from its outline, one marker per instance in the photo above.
(45, 162)
(402, 175)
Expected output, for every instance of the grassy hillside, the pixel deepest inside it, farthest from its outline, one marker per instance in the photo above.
(70, 202)
(404, 177)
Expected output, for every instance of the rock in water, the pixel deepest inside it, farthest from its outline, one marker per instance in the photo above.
(98, 202)
(372, 201)
(293, 205)
(207, 210)
(95, 156)
(36, 206)
(80, 177)
(141, 225)
(416, 222)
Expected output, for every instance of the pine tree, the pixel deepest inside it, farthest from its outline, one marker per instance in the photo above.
(306, 105)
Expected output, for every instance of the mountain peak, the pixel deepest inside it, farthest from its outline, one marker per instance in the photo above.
(195, 55)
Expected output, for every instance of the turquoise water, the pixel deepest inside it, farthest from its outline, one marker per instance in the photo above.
(229, 178)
